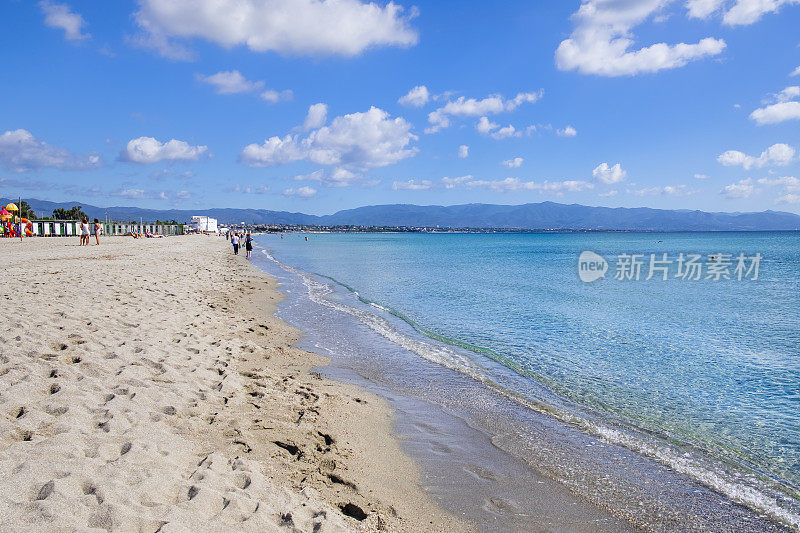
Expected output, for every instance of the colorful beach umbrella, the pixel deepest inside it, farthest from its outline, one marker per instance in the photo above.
(12, 207)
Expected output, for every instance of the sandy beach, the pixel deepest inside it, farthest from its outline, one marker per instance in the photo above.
(145, 385)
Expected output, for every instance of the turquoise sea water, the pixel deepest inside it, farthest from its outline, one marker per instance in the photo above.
(712, 367)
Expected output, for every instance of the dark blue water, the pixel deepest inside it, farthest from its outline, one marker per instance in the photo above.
(702, 375)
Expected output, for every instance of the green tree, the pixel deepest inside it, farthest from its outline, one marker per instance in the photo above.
(25, 210)
(75, 213)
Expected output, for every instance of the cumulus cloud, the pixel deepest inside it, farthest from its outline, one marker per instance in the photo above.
(608, 194)
(302, 192)
(487, 127)
(569, 131)
(300, 27)
(786, 107)
(59, 16)
(316, 117)
(745, 12)
(412, 185)
(778, 154)
(471, 107)
(702, 9)
(463, 151)
(602, 40)
(513, 163)
(795, 72)
(741, 189)
(416, 97)
(776, 113)
(146, 150)
(701, 176)
(20, 151)
(608, 174)
(353, 142)
(230, 82)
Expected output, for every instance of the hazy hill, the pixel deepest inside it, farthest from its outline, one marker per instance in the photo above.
(544, 215)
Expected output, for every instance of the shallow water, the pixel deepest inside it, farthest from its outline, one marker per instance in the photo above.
(703, 376)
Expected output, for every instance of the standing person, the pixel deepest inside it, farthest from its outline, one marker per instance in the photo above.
(85, 232)
(97, 231)
(235, 241)
(248, 245)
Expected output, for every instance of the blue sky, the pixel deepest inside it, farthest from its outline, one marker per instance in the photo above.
(298, 104)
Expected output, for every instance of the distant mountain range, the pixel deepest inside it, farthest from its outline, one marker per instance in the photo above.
(538, 216)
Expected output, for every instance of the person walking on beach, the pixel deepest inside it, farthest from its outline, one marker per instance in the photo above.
(97, 231)
(235, 242)
(85, 232)
(248, 245)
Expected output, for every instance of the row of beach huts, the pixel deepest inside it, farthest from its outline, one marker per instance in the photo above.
(67, 228)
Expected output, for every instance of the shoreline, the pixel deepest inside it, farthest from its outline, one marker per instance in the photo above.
(682, 500)
(159, 390)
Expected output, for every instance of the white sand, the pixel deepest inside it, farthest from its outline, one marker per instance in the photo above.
(146, 386)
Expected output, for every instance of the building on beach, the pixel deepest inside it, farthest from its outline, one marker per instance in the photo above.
(204, 224)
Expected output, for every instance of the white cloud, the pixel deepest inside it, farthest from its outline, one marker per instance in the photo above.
(701, 176)
(463, 151)
(485, 125)
(273, 97)
(788, 199)
(703, 8)
(569, 131)
(745, 12)
(776, 113)
(608, 194)
(515, 184)
(789, 93)
(20, 151)
(790, 185)
(452, 183)
(416, 97)
(146, 150)
(316, 117)
(412, 185)
(784, 108)
(667, 190)
(471, 107)
(795, 72)
(607, 174)
(60, 16)
(302, 27)
(230, 82)
(130, 193)
(602, 39)
(506, 132)
(302, 192)
(742, 189)
(513, 163)
(778, 154)
(351, 142)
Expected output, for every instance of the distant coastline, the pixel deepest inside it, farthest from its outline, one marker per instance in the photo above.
(472, 218)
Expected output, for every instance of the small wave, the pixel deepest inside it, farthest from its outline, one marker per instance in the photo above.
(739, 486)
